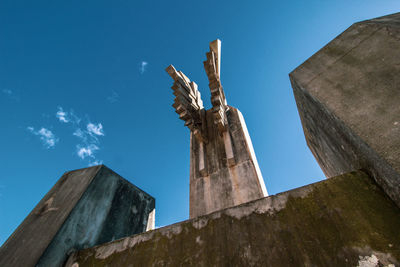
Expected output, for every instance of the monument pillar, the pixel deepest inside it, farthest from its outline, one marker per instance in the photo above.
(223, 167)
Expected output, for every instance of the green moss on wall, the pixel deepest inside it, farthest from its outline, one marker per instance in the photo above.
(330, 223)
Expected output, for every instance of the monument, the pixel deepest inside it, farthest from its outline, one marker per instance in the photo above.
(348, 100)
(223, 167)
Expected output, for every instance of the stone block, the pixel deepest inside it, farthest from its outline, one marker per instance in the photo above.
(84, 208)
(348, 97)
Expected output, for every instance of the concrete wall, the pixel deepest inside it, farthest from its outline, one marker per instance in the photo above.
(224, 182)
(348, 97)
(86, 207)
(343, 221)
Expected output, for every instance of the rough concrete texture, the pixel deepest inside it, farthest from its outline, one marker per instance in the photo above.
(223, 167)
(348, 97)
(85, 207)
(221, 183)
(344, 221)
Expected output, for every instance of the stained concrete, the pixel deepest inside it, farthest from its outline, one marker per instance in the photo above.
(85, 207)
(348, 97)
(221, 183)
(223, 166)
(343, 221)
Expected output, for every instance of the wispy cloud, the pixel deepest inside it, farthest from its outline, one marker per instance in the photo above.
(89, 142)
(67, 117)
(96, 162)
(80, 134)
(91, 134)
(94, 129)
(113, 97)
(87, 151)
(88, 135)
(62, 115)
(143, 66)
(47, 137)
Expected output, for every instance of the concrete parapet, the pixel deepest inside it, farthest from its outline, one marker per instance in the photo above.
(343, 221)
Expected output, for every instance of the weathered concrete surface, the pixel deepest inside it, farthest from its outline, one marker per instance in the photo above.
(348, 97)
(343, 221)
(223, 166)
(222, 184)
(85, 207)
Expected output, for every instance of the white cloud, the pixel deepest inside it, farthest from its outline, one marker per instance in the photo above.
(96, 162)
(79, 133)
(62, 115)
(94, 129)
(143, 66)
(88, 143)
(87, 151)
(48, 139)
(67, 117)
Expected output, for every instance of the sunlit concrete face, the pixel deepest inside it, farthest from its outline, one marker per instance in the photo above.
(223, 167)
(348, 96)
(224, 171)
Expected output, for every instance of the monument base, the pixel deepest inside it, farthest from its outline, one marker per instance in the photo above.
(342, 221)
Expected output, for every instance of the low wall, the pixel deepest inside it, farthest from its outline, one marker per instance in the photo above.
(343, 221)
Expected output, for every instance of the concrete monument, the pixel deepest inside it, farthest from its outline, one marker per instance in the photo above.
(223, 167)
(348, 100)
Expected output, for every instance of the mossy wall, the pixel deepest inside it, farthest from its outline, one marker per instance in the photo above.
(342, 221)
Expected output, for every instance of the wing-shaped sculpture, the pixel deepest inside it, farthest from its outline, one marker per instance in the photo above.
(223, 167)
(187, 102)
(213, 66)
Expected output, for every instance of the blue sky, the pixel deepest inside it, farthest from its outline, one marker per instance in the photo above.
(83, 82)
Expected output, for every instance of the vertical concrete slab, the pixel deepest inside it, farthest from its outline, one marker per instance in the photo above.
(223, 167)
(86, 207)
(216, 182)
(348, 97)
